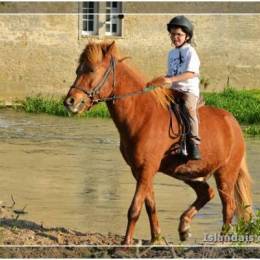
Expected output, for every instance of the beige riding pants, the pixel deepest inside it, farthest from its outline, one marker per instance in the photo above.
(191, 102)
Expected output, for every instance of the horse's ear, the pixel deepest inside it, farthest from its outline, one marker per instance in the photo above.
(111, 47)
(125, 58)
(108, 48)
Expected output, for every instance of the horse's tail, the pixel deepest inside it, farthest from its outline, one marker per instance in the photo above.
(243, 194)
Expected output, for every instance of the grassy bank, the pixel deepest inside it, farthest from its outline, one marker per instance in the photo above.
(243, 104)
(54, 106)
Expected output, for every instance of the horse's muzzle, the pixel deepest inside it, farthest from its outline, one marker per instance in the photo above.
(69, 102)
(76, 106)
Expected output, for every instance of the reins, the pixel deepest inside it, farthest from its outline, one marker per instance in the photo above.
(96, 90)
(111, 69)
(139, 92)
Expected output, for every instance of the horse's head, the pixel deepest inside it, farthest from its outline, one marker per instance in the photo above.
(95, 77)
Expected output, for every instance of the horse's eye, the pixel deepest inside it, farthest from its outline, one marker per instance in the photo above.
(84, 69)
(88, 68)
(91, 70)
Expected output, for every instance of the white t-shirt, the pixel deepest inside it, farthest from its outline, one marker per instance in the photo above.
(182, 60)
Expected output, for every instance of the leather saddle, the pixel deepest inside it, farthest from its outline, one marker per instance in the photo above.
(183, 117)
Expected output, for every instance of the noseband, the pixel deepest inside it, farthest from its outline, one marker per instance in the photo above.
(96, 90)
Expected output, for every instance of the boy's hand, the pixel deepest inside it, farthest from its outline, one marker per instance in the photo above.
(159, 81)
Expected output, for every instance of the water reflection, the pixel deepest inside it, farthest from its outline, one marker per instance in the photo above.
(69, 172)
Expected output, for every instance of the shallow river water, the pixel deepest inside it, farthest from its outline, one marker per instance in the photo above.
(69, 172)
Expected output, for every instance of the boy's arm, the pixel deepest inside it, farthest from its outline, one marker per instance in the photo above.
(184, 76)
(164, 80)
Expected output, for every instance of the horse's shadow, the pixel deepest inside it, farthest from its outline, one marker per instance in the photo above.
(21, 224)
(38, 229)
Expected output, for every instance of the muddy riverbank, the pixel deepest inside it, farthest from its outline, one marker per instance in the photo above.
(23, 239)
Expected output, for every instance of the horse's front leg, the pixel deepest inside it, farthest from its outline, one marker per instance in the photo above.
(153, 218)
(143, 188)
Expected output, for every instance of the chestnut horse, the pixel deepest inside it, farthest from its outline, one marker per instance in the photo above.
(146, 141)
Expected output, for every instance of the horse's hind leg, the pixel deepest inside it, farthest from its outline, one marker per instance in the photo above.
(204, 194)
(226, 187)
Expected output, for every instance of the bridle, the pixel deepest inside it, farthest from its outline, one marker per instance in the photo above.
(95, 91)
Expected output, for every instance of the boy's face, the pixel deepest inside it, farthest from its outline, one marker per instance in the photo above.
(178, 37)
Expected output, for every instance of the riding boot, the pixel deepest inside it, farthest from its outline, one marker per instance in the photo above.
(194, 152)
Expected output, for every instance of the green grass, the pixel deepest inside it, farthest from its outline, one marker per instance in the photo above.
(252, 130)
(245, 232)
(54, 106)
(251, 227)
(243, 104)
(49, 105)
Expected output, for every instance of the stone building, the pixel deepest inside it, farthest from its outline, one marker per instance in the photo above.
(40, 42)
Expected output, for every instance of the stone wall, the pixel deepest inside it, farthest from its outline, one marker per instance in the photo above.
(40, 43)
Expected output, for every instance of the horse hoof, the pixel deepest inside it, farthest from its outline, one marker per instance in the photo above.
(226, 229)
(185, 235)
(122, 252)
(159, 240)
(127, 242)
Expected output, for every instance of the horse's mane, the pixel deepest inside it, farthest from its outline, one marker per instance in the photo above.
(94, 53)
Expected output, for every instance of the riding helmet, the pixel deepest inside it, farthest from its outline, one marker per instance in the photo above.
(183, 22)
